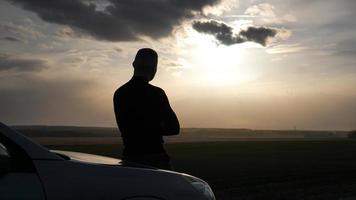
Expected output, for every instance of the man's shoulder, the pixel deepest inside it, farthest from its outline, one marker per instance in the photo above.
(121, 89)
(156, 88)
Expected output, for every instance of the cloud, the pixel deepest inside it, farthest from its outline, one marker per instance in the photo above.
(22, 64)
(118, 49)
(11, 39)
(224, 6)
(92, 57)
(286, 48)
(263, 10)
(258, 35)
(224, 33)
(19, 31)
(265, 13)
(68, 32)
(120, 20)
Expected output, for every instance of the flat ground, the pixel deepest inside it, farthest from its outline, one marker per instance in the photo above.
(304, 169)
(238, 163)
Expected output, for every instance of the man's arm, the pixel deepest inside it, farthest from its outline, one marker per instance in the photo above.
(122, 115)
(169, 121)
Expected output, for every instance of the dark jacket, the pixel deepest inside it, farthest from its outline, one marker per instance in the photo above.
(143, 115)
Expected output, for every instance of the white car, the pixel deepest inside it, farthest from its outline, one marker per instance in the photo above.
(30, 171)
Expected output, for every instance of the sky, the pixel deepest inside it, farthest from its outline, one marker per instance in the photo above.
(270, 64)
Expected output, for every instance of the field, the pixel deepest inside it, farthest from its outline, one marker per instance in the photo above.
(271, 168)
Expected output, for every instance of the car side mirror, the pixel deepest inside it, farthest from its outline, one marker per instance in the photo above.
(5, 164)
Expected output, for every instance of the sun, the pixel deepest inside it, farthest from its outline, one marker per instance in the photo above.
(221, 65)
(208, 63)
(218, 64)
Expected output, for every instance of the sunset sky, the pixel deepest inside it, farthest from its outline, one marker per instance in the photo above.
(271, 64)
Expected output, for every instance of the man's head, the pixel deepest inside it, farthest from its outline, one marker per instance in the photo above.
(145, 63)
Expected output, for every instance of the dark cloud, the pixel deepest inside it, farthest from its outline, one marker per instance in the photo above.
(258, 35)
(224, 33)
(21, 64)
(11, 39)
(121, 20)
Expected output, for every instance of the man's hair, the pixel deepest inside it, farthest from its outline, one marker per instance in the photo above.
(145, 57)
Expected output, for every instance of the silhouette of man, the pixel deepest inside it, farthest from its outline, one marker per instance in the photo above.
(144, 115)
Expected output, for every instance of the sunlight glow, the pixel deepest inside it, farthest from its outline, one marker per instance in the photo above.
(215, 64)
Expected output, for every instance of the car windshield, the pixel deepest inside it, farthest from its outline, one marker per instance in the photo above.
(3, 150)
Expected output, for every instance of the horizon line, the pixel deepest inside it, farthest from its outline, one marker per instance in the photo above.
(251, 129)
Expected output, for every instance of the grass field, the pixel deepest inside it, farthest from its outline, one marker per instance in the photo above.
(262, 169)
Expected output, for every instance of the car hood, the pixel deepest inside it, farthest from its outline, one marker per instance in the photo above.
(88, 158)
(96, 159)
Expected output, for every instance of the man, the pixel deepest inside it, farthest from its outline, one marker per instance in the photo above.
(144, 115)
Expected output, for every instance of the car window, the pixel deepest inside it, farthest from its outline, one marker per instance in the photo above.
(3, 151)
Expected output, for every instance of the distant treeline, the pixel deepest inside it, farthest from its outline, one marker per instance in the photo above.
(267, 133)
(352, 134)
(74, 131)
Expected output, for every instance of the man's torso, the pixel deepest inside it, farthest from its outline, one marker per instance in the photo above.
(137, 109)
